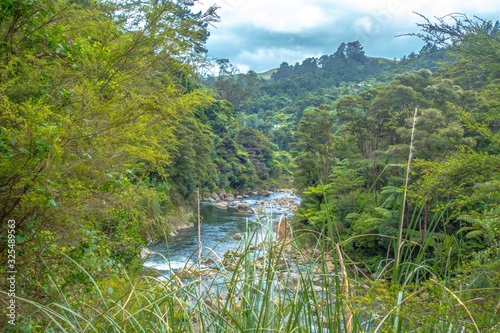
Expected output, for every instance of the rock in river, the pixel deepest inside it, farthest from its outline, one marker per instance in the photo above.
(243, 207)
(221, 205)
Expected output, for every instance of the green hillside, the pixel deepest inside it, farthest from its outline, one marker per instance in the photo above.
(268, 74)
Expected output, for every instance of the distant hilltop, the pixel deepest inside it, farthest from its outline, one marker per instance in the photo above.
(267, 75)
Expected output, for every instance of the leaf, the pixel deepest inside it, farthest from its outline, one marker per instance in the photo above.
(475, 234)
(20, 238)
(53, 202)
(110, 289)
(105, 188)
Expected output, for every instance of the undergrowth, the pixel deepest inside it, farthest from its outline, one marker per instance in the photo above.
(282, 288)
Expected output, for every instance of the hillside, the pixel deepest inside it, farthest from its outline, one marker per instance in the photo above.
(268, 74)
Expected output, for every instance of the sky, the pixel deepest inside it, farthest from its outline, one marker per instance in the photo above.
(259, 35)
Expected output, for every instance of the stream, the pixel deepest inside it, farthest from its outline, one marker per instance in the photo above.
(217, 228)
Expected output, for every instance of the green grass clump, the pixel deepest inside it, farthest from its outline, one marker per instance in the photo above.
(282, 288)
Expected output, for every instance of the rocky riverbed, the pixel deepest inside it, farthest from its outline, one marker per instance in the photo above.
(285, 204)
(225, 218)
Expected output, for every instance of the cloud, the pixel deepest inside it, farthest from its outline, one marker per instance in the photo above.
(272, 15)
(260, 35)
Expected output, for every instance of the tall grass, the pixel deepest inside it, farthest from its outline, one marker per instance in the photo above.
(282, 287)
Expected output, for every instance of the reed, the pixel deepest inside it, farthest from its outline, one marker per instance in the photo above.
(281, 288)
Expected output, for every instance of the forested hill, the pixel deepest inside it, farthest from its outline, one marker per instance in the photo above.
(348, 64)
(274, 102)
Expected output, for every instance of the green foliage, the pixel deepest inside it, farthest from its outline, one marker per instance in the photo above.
(473, 41)
(191, 165)
(104, 128)
(316, 138)
(313, 289)
(235, 166)
(258, 149)
(94, 98)
(429, 56)
(485, 224)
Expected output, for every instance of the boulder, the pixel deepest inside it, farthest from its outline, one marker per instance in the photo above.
(215, 196)
(145, 252)
(239, 196)
(187, 271)
(229, 197)
(265, 193)
(237, 236)
(221, 205)
(243, 207)
(208, 261)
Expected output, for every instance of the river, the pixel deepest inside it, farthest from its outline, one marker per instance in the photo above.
(217, 229)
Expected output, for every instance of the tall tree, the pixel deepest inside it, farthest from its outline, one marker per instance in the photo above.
(91, 94)
(315, 136)
(258, 148)
(473, 41)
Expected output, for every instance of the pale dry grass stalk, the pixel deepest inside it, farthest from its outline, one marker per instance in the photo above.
(459, 302)
(199, 249)
(400, 237)
(346, 289)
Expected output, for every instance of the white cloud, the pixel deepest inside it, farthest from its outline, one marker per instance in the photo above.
(260, 34)
(274, 15)
(274, 55)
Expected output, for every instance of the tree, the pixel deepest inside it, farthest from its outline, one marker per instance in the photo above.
(234, 165)
(190, 164)
(315, 136)
(258, 148)
(232, 85)
(91, 94)
(354, 51)
(466, 184)
(473, 41)
(340, 53)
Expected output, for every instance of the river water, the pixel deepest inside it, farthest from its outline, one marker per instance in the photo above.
(217, 229)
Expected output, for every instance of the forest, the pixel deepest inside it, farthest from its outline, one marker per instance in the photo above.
(109, 131)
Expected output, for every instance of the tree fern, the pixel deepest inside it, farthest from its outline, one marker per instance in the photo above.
(485, 224)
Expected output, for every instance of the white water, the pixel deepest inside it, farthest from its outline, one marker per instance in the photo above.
(217, 229)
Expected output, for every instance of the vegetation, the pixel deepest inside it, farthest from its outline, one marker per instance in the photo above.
(106, 130)
(287, 289)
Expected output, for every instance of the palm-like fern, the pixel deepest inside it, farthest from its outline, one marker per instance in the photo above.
(485, 225)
